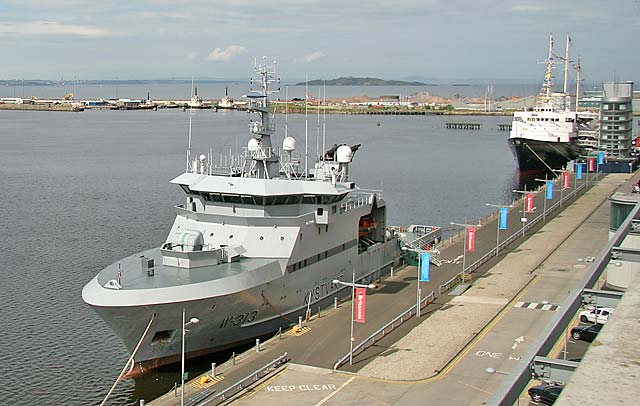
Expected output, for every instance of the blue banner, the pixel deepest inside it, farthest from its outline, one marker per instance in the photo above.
(579, 171)
(425, 267)
(549, 190)
(601, 158)
(504, 213)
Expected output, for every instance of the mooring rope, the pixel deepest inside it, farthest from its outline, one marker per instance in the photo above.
(130, 360)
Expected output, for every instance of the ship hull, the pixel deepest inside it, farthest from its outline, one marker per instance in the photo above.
(535, 156)
(235, 319)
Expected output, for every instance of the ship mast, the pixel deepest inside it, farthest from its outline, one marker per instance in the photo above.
(264, 160)
(566, 66)
(545, 92)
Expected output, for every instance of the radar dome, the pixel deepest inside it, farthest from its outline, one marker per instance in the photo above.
(203, 157)
(289, 144)
(344, 154)
(253, 144)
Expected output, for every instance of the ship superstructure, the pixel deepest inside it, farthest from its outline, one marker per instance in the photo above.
(256, 243)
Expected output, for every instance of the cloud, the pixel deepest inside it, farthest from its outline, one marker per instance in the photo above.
(220, 55)
(311, 57)
(34, 28)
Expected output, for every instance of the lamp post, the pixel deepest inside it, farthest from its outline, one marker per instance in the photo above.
(353, 286)
(499, 206)
(464, 247)
(544, 201)
(193, 320)
(418, 290)
(524, 192)
(561, 183)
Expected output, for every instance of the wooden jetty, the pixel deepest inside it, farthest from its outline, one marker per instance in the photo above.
(504, 127)
(462, 126)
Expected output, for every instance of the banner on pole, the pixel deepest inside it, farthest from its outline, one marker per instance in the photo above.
(471, 239)
(592, 164)
(504, 218)
(600, 158)
(566, 178)
(549, 190)
(579, 172)
(529, 204)
(425, 267)
(361, 304)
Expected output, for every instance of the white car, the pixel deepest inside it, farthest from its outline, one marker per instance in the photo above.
(590, 315)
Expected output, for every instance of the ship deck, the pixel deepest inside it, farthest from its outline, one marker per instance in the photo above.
(134, 277)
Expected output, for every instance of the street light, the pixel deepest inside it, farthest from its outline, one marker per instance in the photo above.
(499, 206)
(464, 247)
(353, 286)
(193, 320)
(523, 220)
(544, 201)
(418, 293)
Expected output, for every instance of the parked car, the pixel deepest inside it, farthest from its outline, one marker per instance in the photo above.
(586, 333)
(547, 393)
(590, 315)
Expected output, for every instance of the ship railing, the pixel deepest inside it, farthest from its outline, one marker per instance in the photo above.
(362, 198)
(209, 397)
(384, 330)
(516, 235)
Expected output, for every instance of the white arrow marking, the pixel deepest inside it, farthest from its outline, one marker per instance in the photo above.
(517, 341)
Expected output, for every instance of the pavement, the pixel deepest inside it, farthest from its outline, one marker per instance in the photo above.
(444, 355)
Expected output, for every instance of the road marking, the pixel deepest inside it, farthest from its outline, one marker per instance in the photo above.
(329, 396)
(537, 306)
(517, 341)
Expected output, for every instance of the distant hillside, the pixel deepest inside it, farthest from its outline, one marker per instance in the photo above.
(353, 81)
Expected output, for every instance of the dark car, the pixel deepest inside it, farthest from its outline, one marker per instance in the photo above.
(545, 393)
(586, 333)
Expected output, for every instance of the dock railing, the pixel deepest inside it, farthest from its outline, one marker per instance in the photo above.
(208, 396)
(445, 287)
(384, 330)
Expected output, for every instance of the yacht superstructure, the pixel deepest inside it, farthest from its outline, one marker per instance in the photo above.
(255, 244)
(546, 137)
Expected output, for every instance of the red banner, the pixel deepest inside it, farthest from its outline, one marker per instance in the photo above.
(361, 304)
(567, 183)
(592, 164)
(529, 204)
(471, 239)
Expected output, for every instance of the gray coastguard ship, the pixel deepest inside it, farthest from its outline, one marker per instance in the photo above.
(255, 245)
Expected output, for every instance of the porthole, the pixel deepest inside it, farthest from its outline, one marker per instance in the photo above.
(231, 236)
(282, 238)
(261, 238)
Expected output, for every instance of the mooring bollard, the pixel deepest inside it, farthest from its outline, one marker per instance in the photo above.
(335, 302)
(392, 271)
(141, 402)
(318, 311)
(299, 321)
(213, 369)
(175, 389)
(257, 345)
(280, 333)
(233, 357)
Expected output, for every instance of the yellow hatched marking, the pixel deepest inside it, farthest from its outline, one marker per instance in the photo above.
(206, 381)
(296, 332)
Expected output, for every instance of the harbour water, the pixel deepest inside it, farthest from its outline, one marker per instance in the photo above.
(81, 190)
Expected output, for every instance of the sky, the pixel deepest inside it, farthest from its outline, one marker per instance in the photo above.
(316, 39)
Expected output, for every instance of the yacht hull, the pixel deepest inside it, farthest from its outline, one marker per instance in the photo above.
(534, 156)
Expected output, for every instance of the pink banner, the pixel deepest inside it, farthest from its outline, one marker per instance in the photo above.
(567, 183)
(361, 304)
(529, 204)
(592, 164)
(471, 239)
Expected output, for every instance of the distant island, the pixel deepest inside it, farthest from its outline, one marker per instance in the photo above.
(353, 81)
